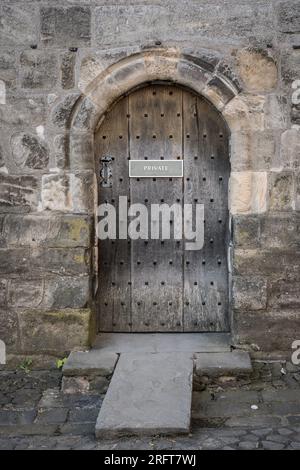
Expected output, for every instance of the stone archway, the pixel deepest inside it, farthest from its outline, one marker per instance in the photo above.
(81, 114)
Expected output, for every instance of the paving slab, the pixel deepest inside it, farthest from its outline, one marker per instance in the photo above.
(226, 363)
(162, 342)
(149, 394)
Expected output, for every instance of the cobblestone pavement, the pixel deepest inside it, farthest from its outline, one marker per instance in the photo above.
(260, 412)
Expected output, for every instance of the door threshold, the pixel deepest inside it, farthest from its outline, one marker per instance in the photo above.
(163, 342)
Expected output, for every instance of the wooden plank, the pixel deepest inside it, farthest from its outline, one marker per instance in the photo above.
(156, 133)
(206, 181)
(114, 292)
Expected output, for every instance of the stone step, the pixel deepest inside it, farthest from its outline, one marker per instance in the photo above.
(235, 363)
(93, 362)
(149, 394)
(162, 342)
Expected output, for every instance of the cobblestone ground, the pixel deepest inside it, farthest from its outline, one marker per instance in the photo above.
(261, 412)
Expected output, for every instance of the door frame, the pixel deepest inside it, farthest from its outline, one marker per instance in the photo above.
(196, 73)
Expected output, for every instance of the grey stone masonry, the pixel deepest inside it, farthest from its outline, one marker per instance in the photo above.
(62, 66)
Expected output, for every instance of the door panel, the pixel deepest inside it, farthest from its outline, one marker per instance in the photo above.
(157, 285)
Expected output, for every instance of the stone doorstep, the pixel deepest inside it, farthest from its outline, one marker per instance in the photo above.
(235, 363)
(150, 392)
(91, 363)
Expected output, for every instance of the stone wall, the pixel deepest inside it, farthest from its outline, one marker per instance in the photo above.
(58, 60)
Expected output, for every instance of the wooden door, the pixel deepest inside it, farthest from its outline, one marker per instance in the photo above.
(157, 285)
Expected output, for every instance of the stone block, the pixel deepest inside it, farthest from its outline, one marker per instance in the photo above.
(248, 192)
(8, 69)
(14, 262)
(290, 64)
(68, 192)
(249, 293)
(39, 69)
(9, 329)
(48, 230)
(236, 363)
(90, 363)
(54, 331)
(53, 293)
(82, 151)
(289, 17)
(69, 262)
(280, 231)
(272, 331)
(3, 292)
(284, 293)
(246, 113)
(63, 27)
(257, 70)
(277, 108)
(18, 193)
(62, 111)
(29, 151)
(253, 151)
(18, 24)
(246, 231)
(281, 191)
(264, 262)
(20, 111)
(290, 148)
(297, 192)
(67, 70)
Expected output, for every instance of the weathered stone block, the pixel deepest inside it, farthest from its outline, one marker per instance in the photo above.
(297, 192)
(246, 231)
(82, 151)
(20, 111)
(29, 151)
(8, 69)
(38, 69)
(54, 331)
(68, 192)
(271, 331)
(264, 262)
(70, 26)
(14, 261)
(289, 17)
(67, 77)
(18, 193)
(257, 69)
(277, 110)
(18, 24)
(290, 148)
(280, 231)
(3, 291)
(48, 230)
(53, 293)
(290, 65)
(69, 262)
(249, 293)
(62, 111)
(284, 293)
(281, 191)
(253, 151)
(248, 191)
(90, 363)
(9, 332)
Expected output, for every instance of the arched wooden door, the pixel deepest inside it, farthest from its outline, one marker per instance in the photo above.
(156, 285)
